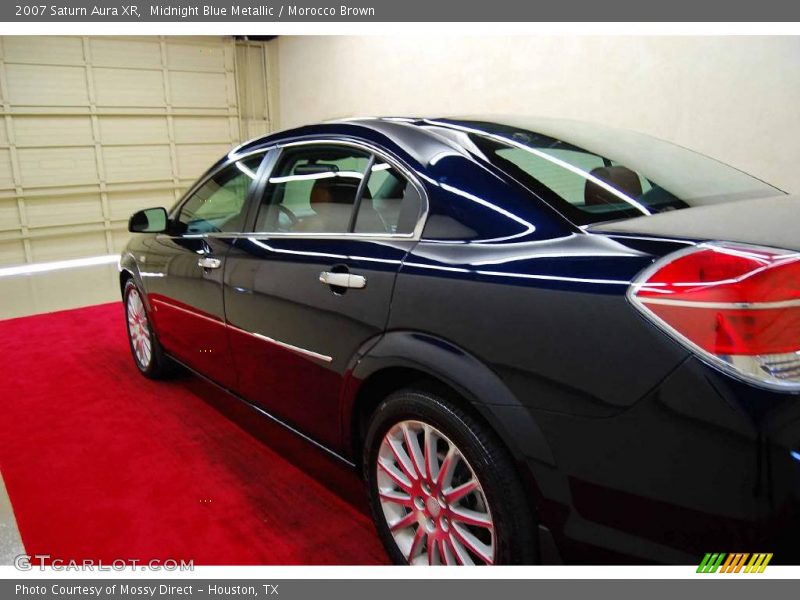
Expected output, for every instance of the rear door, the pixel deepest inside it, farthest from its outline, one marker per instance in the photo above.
(183, 272)
(313, 283)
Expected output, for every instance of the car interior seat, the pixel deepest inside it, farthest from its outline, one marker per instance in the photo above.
(620, 178)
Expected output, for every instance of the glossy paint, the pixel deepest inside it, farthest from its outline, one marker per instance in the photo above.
(186, 303)
(273, 290)
(632, 449)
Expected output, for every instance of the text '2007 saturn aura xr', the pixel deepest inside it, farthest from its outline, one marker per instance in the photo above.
(537, 340)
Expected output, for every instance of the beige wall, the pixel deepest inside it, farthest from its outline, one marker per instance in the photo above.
(95, 128)
(734, 98)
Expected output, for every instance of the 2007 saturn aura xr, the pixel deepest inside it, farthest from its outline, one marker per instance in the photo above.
(537, 339)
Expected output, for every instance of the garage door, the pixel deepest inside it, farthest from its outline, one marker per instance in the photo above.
(98, 127)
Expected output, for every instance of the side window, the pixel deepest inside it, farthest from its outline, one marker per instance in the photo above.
(312, 190)
(570, 174)
(219, 203)
(567, 184)
(390, 203)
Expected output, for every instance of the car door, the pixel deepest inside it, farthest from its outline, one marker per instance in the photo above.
(184, 270)
(313, 283)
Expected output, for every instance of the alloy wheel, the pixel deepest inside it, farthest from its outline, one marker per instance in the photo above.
(139, 329)
(432, 501)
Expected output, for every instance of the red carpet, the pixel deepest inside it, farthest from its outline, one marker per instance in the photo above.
(101, 463)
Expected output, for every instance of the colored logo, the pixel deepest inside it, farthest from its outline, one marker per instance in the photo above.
(734, 563)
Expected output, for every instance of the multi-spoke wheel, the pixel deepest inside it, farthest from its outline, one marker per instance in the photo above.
(146, 351)
(431, 498)
(139, 330)
(442, 489)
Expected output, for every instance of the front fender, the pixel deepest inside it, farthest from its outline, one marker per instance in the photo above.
(129, 266)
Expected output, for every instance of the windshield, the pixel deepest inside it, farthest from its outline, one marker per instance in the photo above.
(591, 173)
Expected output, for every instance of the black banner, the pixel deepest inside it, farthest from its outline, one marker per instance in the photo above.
(243, 11)
(401, 589)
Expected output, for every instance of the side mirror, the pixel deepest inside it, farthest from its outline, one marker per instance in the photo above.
(149, 220)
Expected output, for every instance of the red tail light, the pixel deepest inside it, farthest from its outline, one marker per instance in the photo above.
(738, 306)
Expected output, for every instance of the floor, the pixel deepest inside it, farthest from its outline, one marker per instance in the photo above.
(41, 292)
(48, 291)
(10, 540)
(101, 463)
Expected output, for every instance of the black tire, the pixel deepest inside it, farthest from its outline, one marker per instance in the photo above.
(500, 495)
(157, 365)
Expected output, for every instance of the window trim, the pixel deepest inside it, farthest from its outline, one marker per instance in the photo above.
(362, 186)
(272, 154)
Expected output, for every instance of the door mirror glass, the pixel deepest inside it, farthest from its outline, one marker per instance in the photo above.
(149, 220)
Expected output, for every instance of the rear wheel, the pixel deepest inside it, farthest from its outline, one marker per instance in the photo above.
(145, 349)
(443, 490)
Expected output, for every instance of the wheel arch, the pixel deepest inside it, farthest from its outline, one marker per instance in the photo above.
(405, 359)
(128, 269)
(124, 276)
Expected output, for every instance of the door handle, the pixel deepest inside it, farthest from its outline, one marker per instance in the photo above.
(343, 280)
(208, 262)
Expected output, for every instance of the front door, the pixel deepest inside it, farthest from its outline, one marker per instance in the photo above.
(184, 269)
(314, 282)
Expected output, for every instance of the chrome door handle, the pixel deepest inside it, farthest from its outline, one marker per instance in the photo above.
(344, 280)
(209, 263)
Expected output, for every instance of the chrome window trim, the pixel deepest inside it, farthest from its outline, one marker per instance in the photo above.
(408, 173)
(396, 237)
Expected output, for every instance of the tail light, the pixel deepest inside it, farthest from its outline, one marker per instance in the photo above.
(737, 306)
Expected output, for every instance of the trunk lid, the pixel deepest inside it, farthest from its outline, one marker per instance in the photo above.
(773, 221)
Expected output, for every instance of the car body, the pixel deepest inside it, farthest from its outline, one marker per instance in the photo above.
(520, 305)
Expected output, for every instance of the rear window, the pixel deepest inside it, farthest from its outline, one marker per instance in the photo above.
(623, 175)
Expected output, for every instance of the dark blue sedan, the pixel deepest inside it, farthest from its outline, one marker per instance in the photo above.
(538, 340)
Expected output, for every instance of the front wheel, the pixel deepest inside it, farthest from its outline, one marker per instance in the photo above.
(443, 490)
(145, 348)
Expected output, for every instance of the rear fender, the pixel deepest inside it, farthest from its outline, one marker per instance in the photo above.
(459, 370)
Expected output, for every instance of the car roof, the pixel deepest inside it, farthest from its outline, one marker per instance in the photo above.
(424, 137)
(404, 133)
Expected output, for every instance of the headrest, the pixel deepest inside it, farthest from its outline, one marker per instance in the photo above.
(334, 190)
(619, 177)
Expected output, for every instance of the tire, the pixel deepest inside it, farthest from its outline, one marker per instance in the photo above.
(147, 353)
(419, 511)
